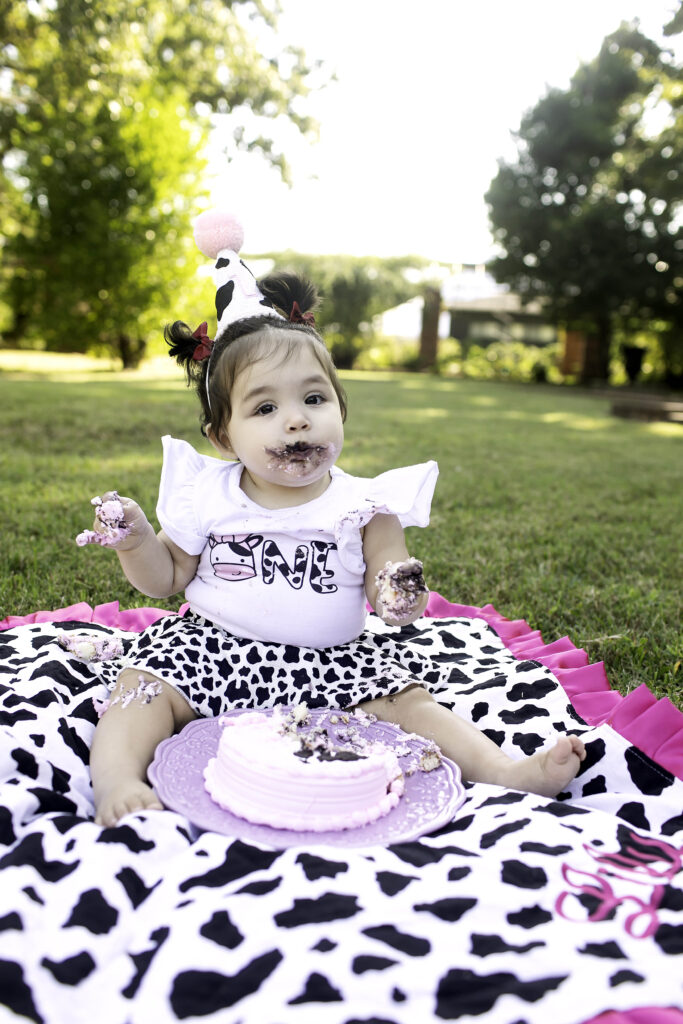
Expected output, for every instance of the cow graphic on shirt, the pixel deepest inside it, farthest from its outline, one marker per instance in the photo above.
(234, 557)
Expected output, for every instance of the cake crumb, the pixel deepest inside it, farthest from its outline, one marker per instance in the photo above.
(300, 714)
(431, 758)
(89, 647)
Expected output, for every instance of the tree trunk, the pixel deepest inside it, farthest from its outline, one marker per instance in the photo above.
(16, 332)
(429, 337)
(632, 357)
(344, 351)
(671, 341)
(596, 357)
(131, 351)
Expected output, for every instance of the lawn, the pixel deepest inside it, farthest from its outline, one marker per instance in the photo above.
(546, 506)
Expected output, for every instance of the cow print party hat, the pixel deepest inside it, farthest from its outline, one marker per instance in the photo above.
(219, 235)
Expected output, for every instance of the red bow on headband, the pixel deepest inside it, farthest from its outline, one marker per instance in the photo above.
(203, 349)
(297, 317)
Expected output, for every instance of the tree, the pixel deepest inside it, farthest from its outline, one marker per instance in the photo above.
(587, 217)
(353, 290)
(106, 240)
(108, 107)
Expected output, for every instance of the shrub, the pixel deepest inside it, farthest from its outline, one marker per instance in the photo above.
(512, 360)
(503, 360)
(388, 354)
(659, 355)
(449, 358)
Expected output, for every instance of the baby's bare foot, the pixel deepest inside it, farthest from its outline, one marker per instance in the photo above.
(549, 771)
(125, 798)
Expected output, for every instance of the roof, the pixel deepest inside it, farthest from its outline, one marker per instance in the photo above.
(472, 289)
(503, 303)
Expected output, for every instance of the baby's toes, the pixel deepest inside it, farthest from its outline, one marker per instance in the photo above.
(578, 747)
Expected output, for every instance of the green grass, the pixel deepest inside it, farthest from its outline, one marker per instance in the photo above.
(546, 506)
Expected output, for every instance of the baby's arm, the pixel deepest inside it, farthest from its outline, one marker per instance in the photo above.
(153, 563)
(384, 542)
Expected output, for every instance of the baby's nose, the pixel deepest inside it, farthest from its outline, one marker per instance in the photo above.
(297, 420)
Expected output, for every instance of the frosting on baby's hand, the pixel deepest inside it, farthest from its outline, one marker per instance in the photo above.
(399, 588)
(110, 514)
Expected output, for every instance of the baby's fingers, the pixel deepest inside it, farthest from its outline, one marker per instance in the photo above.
(110, 527)
(411, 567)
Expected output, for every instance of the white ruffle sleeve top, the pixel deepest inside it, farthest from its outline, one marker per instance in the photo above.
(292, 575)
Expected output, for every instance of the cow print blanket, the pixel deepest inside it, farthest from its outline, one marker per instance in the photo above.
(521, 910)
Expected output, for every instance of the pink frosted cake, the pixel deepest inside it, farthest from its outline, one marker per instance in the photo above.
(272, 775)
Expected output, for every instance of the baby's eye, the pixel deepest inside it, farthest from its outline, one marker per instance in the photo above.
(315, 399)
(265, 409)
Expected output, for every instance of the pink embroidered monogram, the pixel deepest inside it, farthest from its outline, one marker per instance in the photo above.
(648, 863)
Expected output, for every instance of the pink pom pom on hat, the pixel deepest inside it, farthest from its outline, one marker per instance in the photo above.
(215, 230)
(220, 236)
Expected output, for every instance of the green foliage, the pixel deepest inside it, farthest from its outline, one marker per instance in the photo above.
(106, 110)
(353, 290)
(388, 354)
(500, 361)
(675, 26)
(449, 358)
(106, 240)
(588, 215)
(655, 358)
(514, 361)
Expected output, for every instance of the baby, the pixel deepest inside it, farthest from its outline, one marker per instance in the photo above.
(277, 549)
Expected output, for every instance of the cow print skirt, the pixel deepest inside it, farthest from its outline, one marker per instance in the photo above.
(216, 671)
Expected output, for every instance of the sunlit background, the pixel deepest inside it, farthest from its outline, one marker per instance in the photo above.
(363, 144)
(425, 100)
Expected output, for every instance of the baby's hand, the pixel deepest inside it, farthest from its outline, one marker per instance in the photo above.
(401, 592)
(119, 523)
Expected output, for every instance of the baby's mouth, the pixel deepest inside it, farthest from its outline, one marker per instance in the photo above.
(297, 450)
(298, 457)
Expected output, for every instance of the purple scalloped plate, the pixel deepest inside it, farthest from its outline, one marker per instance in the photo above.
(429, 801)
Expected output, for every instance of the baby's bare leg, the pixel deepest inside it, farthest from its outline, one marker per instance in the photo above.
(478, 757)
(124, 744)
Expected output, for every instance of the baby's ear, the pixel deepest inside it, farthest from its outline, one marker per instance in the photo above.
(221, 442)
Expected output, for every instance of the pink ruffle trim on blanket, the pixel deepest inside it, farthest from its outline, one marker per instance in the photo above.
(643, 1015)
(109, 614)
(655, 726)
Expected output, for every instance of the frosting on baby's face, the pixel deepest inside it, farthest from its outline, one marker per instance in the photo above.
(285, 427)
(300, 459)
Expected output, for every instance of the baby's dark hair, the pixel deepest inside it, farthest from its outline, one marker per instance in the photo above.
(249, 340)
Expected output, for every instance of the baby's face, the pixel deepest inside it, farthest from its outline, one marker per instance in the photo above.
(286, 425)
